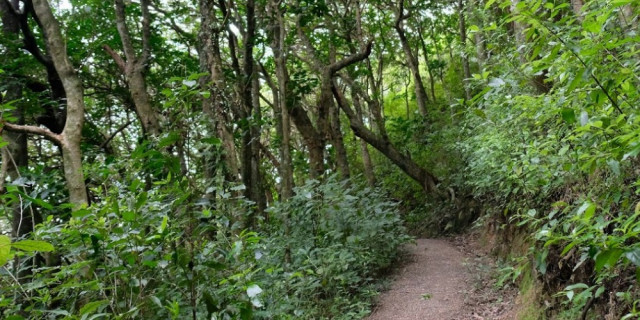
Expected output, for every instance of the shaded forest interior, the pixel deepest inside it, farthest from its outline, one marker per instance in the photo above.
(266, 159)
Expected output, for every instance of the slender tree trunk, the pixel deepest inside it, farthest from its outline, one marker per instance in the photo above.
(364, 147)
(576, 5)
(481, 48)
(425, 52)
(213, 106)
(422, 98)
(629, 18)
(72, 132)
(426, 180)
(15, 153)
(518, 32)
(251, 176)
(278, 47)
(134, 66)
(338, 144)
(463, 41)
(440, 71)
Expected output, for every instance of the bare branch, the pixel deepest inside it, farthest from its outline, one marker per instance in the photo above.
(116, 57)
(354, 58)
(123, 31)
(45, 133)
(113, 135)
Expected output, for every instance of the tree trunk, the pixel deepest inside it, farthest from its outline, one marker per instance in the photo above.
(425, 52)
(576, 5)
(421, 95)
(518, 32)
(211, 63)
(364, 147)
(424, 178)
(72, 132)
(481, 47)
(280, 60)
(251, 133)
(463, 41)
(338, 144)
(134, 66)
(15, 153)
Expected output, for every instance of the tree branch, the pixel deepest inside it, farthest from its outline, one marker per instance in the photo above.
(45, 133)
(123, 31)
(113, 135)
(122, 65)
(146, 33)
(354, 58)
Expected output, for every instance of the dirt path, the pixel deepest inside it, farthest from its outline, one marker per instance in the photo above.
(437, 283)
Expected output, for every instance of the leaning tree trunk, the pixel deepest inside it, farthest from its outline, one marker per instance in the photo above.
(424, 178)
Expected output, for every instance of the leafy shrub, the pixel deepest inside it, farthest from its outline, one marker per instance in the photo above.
(326, 246)
(157, 253)
(562, 164)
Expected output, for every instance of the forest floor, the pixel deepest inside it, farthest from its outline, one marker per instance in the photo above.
(445, 279)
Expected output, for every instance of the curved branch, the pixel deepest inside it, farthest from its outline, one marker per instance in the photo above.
(354, 58)
(45, 133)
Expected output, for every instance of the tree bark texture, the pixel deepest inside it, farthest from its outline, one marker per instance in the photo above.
(72, 133)
(134, 66)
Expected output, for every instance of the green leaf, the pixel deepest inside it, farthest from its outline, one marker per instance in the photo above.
(91, 307)
(163, 225)
(577, 286)
(587, 210)
(156, 301)
(614, 166)
(210, 303)
(568, 115)
(619, 3)
(5, 249)
(607, 257)
(480, 113)
(592, 25)
(488, 4)
(141, 199)
(128, 216)
(33, 245)
(633, 256)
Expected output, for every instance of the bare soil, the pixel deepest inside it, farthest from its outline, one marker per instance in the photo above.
(445, 279)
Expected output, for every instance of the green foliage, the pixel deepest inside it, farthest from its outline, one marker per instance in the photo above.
(169, 251)
(563, 163)
(328, 244)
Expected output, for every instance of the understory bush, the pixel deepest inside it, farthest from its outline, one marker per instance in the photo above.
(172, 253)
(561, 166)
(328, 243)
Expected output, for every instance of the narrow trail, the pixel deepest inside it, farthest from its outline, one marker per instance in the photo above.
(436, 283)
